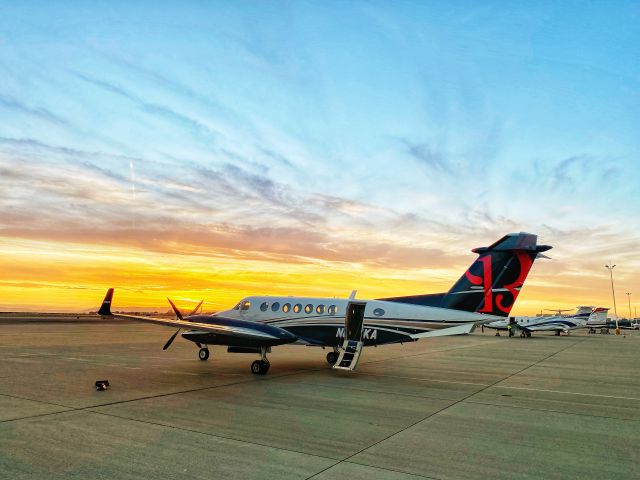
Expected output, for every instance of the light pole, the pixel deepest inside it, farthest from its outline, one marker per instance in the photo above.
(629, 299)
(610, 267)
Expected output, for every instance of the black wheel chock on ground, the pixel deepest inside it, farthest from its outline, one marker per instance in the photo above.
(102, 385)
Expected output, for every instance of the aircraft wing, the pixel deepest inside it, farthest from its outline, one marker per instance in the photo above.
(231, 330)
(235, 330)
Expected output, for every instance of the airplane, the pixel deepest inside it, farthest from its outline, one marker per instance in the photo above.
(554, 323)
(485, 292)
(599, 321)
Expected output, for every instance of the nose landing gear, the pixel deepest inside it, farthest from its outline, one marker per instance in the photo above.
(332, 357)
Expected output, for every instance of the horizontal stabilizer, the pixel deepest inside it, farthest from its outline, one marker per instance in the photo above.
(443, 332)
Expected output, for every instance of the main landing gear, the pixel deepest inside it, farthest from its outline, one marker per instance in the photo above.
(261, 367)
(332, 357)
(203, 353)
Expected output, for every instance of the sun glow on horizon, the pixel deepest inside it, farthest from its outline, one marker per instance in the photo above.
(72, 277)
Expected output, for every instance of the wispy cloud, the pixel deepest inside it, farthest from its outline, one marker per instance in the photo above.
(36, 112)
(428, 156)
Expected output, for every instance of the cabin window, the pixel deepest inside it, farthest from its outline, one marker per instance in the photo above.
(245, 305)
(286, 307)
(332, 310)
(378, 312)
(308, 308)
(320, 309)
(275, 307)
(264, 307)
(297, 307)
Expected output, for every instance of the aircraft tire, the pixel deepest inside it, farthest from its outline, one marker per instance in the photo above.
(203, 354)
(332, 358)
(260, 367)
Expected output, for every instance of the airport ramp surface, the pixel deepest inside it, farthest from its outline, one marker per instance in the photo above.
(467, 407)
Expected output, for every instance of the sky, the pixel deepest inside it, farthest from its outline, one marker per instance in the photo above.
(220, 149)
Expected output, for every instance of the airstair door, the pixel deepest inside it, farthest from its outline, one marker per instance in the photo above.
(353, 329)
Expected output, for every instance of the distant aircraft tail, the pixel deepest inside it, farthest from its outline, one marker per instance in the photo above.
(598, 316)
(582, 309)
(492, 283)
(105, 308)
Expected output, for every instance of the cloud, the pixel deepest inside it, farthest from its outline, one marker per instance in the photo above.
(428, 156)
(581, 172)
(159, 111)
(39, 112)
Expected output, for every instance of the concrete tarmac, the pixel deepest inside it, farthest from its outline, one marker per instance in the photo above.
(466, 407)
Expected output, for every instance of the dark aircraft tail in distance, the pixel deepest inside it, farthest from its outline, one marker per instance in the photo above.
(492, 283)
(105, 308)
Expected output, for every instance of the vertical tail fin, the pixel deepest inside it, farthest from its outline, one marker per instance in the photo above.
(492, 283)
(105, 308)
(598, 316)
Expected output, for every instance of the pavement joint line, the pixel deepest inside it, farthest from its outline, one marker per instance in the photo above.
(148, 397)
(517, 407)
(377, 468)
(369, 390)
(430, 352)
(17, 397)
(573, 393)
(449, 406)
(190, 430)
(421, 379)
(391, 470)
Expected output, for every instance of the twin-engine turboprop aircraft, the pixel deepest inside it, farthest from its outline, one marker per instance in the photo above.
(485, 292)
(553, 323)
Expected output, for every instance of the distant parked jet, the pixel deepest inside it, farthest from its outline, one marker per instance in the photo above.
(555, 323)
(598, 321)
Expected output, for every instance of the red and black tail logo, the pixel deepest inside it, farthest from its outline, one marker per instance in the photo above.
(497, 294)
(492, 283)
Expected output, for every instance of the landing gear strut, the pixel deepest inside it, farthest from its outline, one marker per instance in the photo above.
(261, 367)
(203, 353)
(332, 357)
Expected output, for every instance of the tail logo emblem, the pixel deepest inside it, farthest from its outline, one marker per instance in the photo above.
(486, 281)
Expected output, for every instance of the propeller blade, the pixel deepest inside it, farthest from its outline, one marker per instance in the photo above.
(175, 309)
(170, 341)
(195, 310)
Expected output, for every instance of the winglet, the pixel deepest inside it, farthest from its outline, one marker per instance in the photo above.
(175, 309)
(105, 308)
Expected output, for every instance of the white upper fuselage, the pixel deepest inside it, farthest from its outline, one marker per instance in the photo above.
(288, 312)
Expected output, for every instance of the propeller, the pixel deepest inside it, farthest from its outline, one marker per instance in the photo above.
(170, 341)
(173, 337)
(175, 309)
(195, 310)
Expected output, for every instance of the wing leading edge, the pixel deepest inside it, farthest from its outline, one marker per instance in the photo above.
(229, 329)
